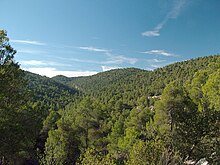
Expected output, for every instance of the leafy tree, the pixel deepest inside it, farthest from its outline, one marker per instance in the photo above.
(176, 121)
(212, 90)
(18, 120)
(78, 129)
(93, 157)
(50, 122)
(117, 132)
(63, 144)
(188, 123)
(145, 153)
(6, 51)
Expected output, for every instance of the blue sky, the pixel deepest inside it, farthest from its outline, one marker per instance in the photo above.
(84, 37)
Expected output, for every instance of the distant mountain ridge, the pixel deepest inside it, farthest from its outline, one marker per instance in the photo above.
(121, 83)
(131, 79)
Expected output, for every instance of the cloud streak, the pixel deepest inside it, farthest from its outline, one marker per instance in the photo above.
(33, 63)
(51, 72)
(155, 60)
(41, 63)
(28, 42)
(31, 51)
(111, 57)
(119, 59)
(93, 49)
(159, 52)
(174, 13)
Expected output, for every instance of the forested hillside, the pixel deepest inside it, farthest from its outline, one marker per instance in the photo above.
(49, 92)
(120, 120)
(131, 83)
(123, 116)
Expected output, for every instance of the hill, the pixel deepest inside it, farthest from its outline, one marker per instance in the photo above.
(119, 121)
(133, 83)
(48, 91)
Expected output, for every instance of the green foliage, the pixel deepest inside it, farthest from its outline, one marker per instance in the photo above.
(185, 122)
(124, 123)
(62, 146)
(130, 84)
(212, 90)
(50, 122)
(195, 87)
(6, 51)
(52, 94)
(145, 153)
(93, 157)
(20, 122)
(55, 148)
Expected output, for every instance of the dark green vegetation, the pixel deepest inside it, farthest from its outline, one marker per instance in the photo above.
(124, 116)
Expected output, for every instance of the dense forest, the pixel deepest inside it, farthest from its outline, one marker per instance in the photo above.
(124, 116)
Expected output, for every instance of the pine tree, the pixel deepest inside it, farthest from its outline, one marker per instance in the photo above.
(18, 125)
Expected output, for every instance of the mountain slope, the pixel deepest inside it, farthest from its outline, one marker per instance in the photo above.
(133, 82)
(118, 122)
(48, 91)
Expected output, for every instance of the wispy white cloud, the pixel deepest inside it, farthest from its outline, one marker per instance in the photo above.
(153, 33)
(177, 8)
(33, 62)
(155, 60)
(112, 58)
(84, 61)
(172, 14)
(51, 72)
(159, 52)
(41, 63)
(119, 59)
(93, 49)
(28, 42)
(30, 51)
(107, 68)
